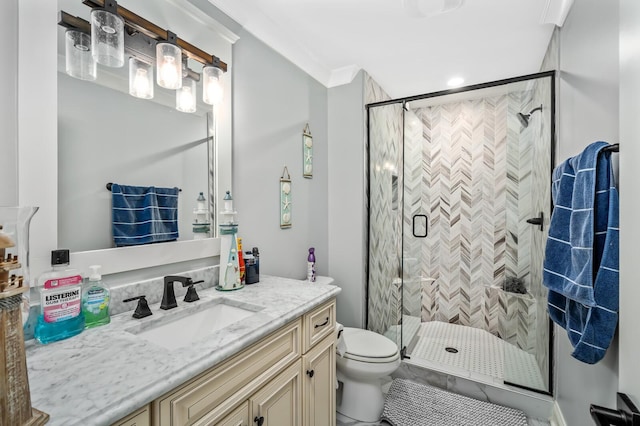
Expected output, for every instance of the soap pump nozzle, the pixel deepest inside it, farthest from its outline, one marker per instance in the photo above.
(95, 273)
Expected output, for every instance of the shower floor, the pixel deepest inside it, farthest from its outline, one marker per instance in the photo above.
(480, 355)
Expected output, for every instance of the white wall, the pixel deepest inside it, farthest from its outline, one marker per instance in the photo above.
(9, 99)
(588, 111)
(37, 125)
(629, 202)
(272, 102)
(347, 210)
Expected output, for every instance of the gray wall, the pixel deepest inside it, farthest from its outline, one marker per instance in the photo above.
(272, 102)
(347, 213)
(172, 152)
(9, 97)
(588, 111)
(629, 177)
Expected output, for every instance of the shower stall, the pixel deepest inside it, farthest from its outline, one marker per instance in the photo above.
(459, 200)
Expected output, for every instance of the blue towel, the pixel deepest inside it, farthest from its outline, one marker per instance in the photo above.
(143, 215)
(581, 256)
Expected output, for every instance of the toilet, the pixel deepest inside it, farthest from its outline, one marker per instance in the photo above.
(367, 357)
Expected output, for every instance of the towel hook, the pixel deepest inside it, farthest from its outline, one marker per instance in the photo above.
(537, 221)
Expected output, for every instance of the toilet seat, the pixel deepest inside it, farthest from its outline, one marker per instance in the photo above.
(367, 346)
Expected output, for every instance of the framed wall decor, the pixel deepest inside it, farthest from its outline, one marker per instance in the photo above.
(307, 153)
(285, 199)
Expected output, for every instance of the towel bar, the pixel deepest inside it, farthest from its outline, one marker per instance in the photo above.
(108, 186)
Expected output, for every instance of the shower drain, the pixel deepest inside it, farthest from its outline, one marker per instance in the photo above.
(451, 350)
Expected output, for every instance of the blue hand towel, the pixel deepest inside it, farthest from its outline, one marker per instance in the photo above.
(143, 215)
(581, 256)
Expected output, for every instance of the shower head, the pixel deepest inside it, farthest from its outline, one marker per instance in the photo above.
(524, 118)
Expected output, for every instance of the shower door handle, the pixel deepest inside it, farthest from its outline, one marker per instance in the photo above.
(425, 226)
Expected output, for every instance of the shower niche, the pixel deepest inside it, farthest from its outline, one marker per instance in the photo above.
(464, 293)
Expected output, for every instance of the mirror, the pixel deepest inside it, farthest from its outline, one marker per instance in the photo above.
(104, 136)
(38, 143)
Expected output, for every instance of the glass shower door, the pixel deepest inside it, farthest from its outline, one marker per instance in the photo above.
(385, 221)
(472, 177)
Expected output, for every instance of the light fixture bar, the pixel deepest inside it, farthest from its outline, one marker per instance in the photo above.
(157, 33)
(73, 22)
(137, 43)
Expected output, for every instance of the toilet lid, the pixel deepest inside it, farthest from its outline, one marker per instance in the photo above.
(367, 344)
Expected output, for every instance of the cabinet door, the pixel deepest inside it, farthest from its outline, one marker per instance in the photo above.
(319, 384)
(278, 402)
(238, 417)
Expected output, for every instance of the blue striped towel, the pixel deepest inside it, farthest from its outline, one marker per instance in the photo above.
(143, 215)
(581, 256)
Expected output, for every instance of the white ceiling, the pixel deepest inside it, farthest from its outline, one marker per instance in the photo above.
(407, 49)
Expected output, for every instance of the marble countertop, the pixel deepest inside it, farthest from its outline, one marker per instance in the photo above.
(105, 373)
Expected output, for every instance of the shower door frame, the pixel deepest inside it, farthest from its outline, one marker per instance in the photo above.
(550, 74)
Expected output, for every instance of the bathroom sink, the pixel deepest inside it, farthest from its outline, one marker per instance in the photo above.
(173, 331)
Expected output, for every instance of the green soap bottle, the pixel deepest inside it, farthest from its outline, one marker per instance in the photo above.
(95, 300)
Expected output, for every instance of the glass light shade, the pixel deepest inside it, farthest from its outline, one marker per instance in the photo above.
(79, 61)
(186, 96)
(168, 66)
(107, 38)
(140, 78)
(212, 91)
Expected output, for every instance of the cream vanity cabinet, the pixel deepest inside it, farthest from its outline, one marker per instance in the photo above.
(285, 379)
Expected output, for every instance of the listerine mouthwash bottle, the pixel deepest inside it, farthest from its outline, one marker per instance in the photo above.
(95, 300)
(60, 301)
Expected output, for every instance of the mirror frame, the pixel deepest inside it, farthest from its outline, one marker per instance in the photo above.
(38, 143)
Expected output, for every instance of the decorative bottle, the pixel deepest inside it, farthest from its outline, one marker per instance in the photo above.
(201, 219)
(241, 265)
(311, 266)
(229, 268)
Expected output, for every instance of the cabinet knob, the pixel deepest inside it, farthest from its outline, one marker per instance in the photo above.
(259, 420)
(310, 373)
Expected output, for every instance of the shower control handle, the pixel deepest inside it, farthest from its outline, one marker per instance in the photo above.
(537, 221)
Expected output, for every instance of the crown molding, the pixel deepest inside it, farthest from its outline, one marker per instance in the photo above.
(555, 12)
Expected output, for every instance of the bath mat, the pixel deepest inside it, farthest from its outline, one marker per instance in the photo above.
(413, 404)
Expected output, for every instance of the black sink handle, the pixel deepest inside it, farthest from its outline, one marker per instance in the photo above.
(142, 310)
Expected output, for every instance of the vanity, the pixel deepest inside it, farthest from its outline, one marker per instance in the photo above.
(275, 366)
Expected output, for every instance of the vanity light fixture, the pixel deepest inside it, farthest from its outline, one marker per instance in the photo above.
(146, 43)
(186, 96)
(79, 62)
(107, 35)
(140, 78)
(212, 91)
(169, 63)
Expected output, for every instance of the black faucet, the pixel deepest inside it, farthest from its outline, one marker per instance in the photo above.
(169, 296)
